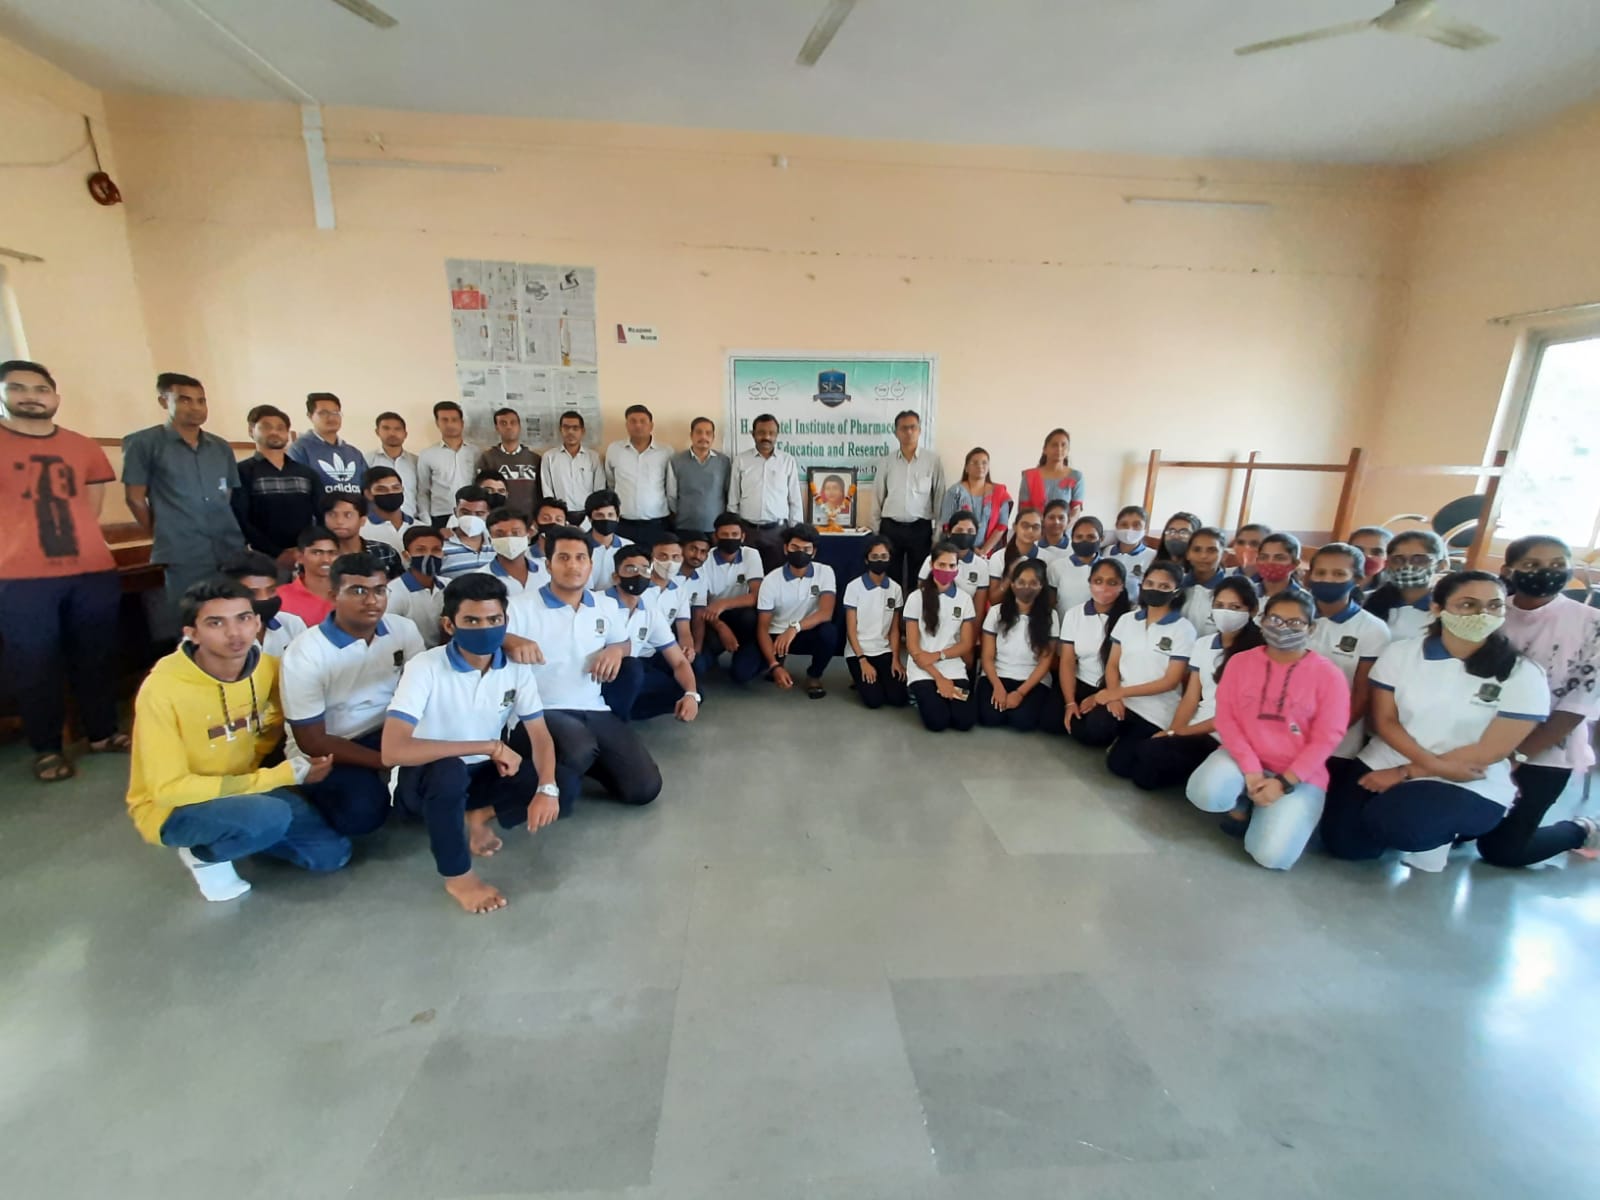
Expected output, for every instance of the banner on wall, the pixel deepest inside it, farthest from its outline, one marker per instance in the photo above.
(832, 411)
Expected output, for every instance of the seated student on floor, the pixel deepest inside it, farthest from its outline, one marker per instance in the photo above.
(204, 719)
(1171, 757)
(1404, 601)
(794, 615)
(1054, 542)
(1176, 536)
(872, 604)
(341, 516)
(1276, 563)
(444, 730)
(1026, 530)
(1348, 637)
(1069, 572)
(336, 684)
(1561, 636)
(1206, 573)
(1085, 649)
(941, 632)
(1373, 542)
(387, 521)
(309, 595)
(696, 546)
(1149, 659)
(466, 534)
(1019, 654)
(580, 640)
(657, 677)
(1281, 709)
(972, 569)
(733, 580)
(1245, 546)
(418, 594)
(1132, 525)
(603, 508)
(517, 562)
(1448, 711)
(258, 575)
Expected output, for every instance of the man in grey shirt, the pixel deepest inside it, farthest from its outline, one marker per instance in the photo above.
(697, 479)
(909, 487)
(179, 482)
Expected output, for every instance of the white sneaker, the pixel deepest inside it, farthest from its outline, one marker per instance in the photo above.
(1433, 860)
(1591, 836)
(217, 881)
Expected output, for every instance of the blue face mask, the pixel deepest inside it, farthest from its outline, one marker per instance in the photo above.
(484, 640)
(1326, 592)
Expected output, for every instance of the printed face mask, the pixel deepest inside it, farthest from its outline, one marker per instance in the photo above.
(1540, 584)
(943, 577)
(1472, 627)
(427, 564)
(1274, 572)
(1285, 639)
(1229, 620)
(1410, 577)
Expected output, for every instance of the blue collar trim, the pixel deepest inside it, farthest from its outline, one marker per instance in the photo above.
(811, 570)
(1345, 613)
(1433, 649)
(1143, 614)
(457, 663)
(339, 638)
(1424, 604)
(1082, 562)
(551, 600)
(866, 579)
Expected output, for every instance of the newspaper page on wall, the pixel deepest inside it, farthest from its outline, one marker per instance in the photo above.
(524, 339)
(832, 412)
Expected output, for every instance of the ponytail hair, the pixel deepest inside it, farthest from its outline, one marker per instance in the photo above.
(930, 590)
(1250, 636)
(1497, 657)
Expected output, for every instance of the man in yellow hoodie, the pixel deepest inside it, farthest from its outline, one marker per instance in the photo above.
(204, 719)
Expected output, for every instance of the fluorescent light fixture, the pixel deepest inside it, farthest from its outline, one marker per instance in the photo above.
(1195, 202)
(417, 164)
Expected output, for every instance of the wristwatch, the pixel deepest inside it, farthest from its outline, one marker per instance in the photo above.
(695, 696)
(549, 789)
(1518, 757)
(1284, 784)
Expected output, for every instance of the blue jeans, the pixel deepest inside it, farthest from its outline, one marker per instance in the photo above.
(1278, 832)
(355, 800)
(277, 823)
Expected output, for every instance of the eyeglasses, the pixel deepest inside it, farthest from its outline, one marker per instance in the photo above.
(1275, 622)
(361, 591)
(632, 570)
(1411, 560)
(1181, 531)
(1467, 606)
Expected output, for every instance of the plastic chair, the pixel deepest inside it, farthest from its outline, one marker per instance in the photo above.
(1456, 524)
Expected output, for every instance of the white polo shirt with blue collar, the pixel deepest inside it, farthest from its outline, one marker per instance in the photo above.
(447, 699)
(1442, 707)
(538, 574)
(1054, 554)
(1137, 561)
(281, 630)
(569, 638)
(1147, 651)
(409, 597)
(956, 608)
(697, 587)
(1411, 620)
(1197, 600)
(791, 598)
(667, 606)
(374, 529)
(877, 607)
(972, 572)
(334, 677)
(1069, 576)
(997, 562)
(1203, 659)
(603, 562)
(1087, 631)
(1349, 638)
(728, 579)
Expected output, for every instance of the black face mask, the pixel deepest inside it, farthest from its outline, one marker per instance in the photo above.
(267, 609)
(634, 585)
(1025, 594)
(798, 559)
(602, 526)
(878, 566)
(1176, 547)
(1156, 597)
(730, 546)
(427, 564)
(1540, 584)
(1086, 549)
(389, 502)
(963, 541)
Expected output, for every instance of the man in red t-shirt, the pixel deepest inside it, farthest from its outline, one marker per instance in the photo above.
(59, 591)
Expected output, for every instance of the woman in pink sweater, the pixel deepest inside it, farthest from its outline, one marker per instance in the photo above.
(1281, 710)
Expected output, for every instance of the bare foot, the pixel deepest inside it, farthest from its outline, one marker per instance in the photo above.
(473, 894)
(481, 837)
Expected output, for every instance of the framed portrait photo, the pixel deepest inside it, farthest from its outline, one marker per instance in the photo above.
(831, 498)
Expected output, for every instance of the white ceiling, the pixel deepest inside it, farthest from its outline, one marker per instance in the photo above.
(1143, 76)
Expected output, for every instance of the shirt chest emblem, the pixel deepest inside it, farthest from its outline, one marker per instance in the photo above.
(599, 626)
(1347, 645)
(1488, 693)
(1164, 645)
(509, 698)
(816, 589)
(957, 611)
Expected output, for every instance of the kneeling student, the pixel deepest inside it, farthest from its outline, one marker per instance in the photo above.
(205, 717)
(1019, 650)
(337, 683)
(872, 604)
(418, 594)
(939, 638)
(656, 677)
(443, 729)
(794, 614)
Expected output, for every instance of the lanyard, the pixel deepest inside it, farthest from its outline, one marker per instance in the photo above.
(1283, 693)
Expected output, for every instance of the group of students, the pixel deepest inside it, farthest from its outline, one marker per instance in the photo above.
(1369, 693)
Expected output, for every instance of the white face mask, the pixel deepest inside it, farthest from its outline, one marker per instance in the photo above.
(510, 547)
(666, 568)
(1130, 537)
(468, 526)
(1229, 620)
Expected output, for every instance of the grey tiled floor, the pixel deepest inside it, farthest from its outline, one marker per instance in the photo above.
(854, 960)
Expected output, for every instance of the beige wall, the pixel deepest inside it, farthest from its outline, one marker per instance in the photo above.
(1510, 226)
(1048, 300)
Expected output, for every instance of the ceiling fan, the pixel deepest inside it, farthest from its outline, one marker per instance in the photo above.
(1420, 18)
(369, 13)
(821, 33)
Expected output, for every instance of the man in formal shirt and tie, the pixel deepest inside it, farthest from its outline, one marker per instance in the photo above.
(765, 491)
(697, 478)
(909, 486)
(636, 470)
